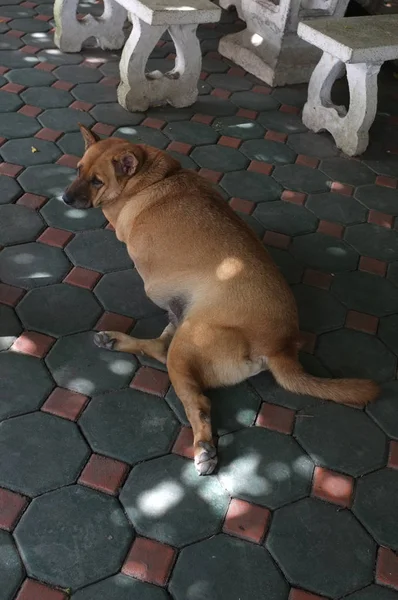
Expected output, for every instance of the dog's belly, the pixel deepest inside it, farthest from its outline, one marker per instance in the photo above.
(176, 309)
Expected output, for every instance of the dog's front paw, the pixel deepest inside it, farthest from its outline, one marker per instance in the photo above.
(104, 340)
(206, 461)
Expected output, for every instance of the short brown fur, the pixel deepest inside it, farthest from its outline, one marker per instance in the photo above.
(232, 314)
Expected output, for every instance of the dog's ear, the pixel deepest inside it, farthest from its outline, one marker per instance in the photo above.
(125, 164)
(89, 137)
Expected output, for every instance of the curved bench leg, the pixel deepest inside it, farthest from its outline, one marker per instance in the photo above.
(70, 34)
(139, 90)
(349, 129)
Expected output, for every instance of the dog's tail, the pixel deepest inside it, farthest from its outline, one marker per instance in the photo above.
(290, 375)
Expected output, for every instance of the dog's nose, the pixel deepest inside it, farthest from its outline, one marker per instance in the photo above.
(67, 199)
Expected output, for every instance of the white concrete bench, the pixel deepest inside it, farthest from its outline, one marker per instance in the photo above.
(138, 90)
(361, 45)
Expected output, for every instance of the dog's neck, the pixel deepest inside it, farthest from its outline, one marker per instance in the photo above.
(136, 195)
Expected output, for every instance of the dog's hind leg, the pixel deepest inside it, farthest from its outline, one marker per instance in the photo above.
(120, 342)
(182, 367)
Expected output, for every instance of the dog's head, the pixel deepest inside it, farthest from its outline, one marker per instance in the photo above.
(106, 167)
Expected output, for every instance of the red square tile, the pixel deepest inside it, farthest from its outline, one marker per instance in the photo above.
(386, 181)
(372, 265)
(240, 205)
(257, 166)
(261, 89)
(220, 93)
(153, 123)
(307, 341)
(183, 446)
(15, 33)
(342, 188)
(151, 381)
(110, 227)
(111, 81)
(213, 176)
(277, 240)
(64, 403)
(2, 140)
(307, 161)
(277, 418)
(93, 63)
(387, 568)
(295, 197)
(392, 455)
(68, 160)
(276, 136)
(5, 19)
(332, 487)
(28, 4)
(180, 147)
(30, 49)
(287, 108)
(3, 69)
(12, 88)
(50, 135)
(82, 278)
(104, 474)
(32, 201)
(362, 322)
(63, 85)
(149, 561)
(44, 18)
(317, 279)
(236, 72)
(246, 520)
(33, 343)
(34, 590)
(45, 66)
(231, 142)
(82, 106)
(55, 237)
(114, 322)
(379, 218)
(103, 129)
(10, 170)
(333, 229)
(30, 111)
(11, 507)
(10, 295)
(203, 75)
(248, 114)
(206, 119)
(296, 594)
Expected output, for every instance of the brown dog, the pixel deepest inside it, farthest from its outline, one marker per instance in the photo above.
(231, 312)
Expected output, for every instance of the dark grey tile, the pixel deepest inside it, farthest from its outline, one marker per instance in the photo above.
(285, 217)
(366, 292)
(324, 252)
(349, 353)
(29, 151)
(352, 172)
(99, 251)
(336, 208)
(307, 533)
(25, 384)
(235, 569)
(76, 363)
(11, 568)
(123, 292)
(185, 494)
(39, 453)
(59, 309)
(33, 265)
(363, 238)
(245, 474)
(121, 587)
(251, 186)
(384, 410)
(129, 425)
(19, 224)
(58, 214)
(361, 445)
(375, 506)
(95, 536)
(301, 179)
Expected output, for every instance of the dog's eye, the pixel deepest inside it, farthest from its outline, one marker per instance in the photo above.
(96, 182)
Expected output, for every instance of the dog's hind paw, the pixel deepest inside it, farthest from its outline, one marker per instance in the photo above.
(206, 461)
(103, 340)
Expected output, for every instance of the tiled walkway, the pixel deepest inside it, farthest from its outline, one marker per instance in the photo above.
(99, 498)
